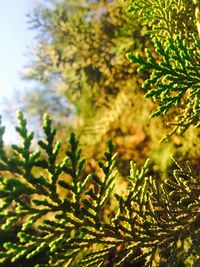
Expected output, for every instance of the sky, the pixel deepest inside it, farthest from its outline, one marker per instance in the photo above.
(15, 37)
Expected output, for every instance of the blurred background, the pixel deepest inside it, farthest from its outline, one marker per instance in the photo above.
(68, 58)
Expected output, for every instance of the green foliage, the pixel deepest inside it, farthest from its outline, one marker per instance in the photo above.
(155, 221)
(33, 202)
(174, 81)
(167, 18)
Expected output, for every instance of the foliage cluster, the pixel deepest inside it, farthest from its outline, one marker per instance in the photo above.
(154, 222)
(174, 81)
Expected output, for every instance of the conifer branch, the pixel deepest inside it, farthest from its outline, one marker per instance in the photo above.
(61, 212)
(174, 81)
(174, 65)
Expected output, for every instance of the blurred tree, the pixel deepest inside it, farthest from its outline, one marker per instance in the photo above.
(87, 83)
(81, 53)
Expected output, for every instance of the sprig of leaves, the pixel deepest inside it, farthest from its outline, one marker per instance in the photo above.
(174, 65)
(30, 197)
(174, 81)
